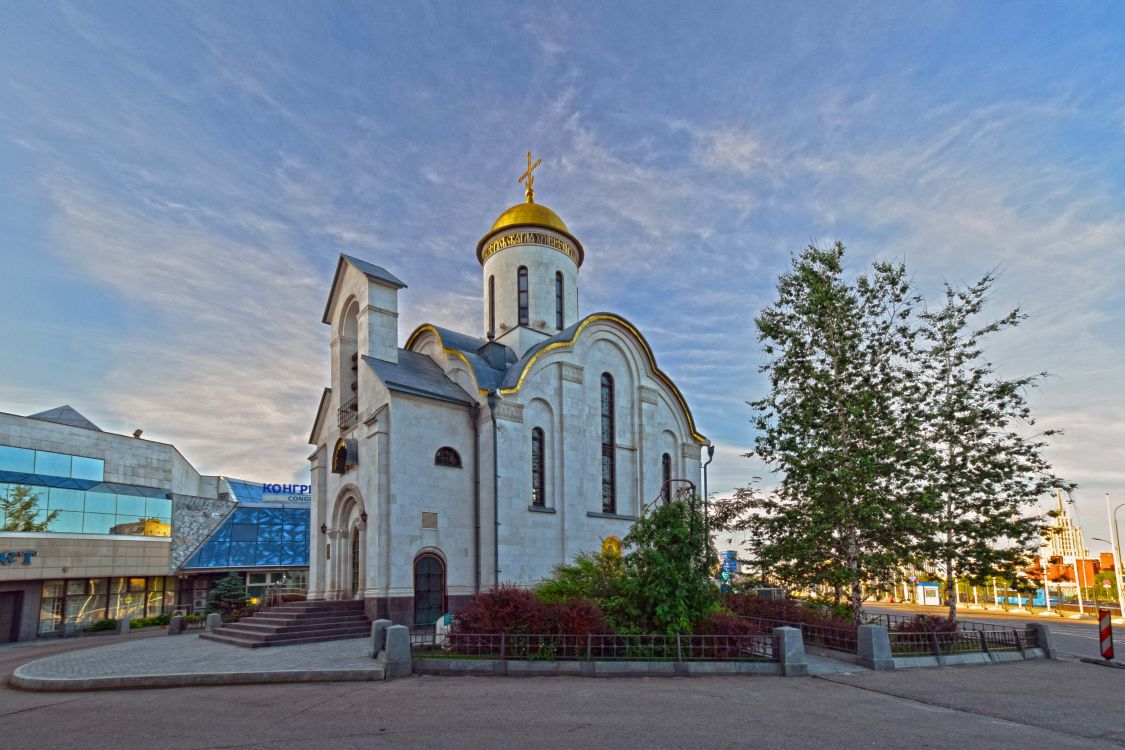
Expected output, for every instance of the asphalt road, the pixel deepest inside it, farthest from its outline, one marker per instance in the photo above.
(1074, 637)
(1026, 704)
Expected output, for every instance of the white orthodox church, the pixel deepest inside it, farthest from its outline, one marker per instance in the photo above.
(460, 461)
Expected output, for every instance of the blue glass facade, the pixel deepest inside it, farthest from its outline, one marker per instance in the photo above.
(72, 490)
(245, 492)
(256, 535)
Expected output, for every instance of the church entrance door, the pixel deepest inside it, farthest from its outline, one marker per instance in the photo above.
(429, 590)
(355, 563)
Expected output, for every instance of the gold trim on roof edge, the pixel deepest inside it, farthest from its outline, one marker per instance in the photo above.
(570, 343)
(428, 327)
(644, 345)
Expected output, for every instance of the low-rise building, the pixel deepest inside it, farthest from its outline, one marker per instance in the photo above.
(96, 525)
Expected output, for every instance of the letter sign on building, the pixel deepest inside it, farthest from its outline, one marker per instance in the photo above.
(20, 557)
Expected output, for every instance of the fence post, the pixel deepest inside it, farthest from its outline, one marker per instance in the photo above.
(589, 645)
(936, 644)
(1042, 638)
(984, 643)
(379, 637)
(1019, 642)
(679, 649)
(503, 644)
(873, 648)
(789, 651)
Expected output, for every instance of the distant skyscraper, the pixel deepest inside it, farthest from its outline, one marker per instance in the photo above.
(1063, 538)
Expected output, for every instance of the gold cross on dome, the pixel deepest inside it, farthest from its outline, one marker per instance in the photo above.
(530, 193)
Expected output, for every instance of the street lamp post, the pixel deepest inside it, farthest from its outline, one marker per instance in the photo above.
(1115, 547)
(706, 507)
(995, 596)
(1046, 584)
(1078, 584)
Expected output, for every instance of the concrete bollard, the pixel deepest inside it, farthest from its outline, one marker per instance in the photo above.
(789, 648)
(873, 648)
(378, 637)
(176, 625)
(395, 655)
(122, 625)
(214, 622)
(1044, 634)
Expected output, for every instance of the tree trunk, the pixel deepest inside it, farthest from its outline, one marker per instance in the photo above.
(950, 585)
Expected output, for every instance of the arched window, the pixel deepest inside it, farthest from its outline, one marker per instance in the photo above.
(558, 300)
(521, 291)
(666, 476)
(609, 440)
(492, 305)
(446, 456)
(538, 483)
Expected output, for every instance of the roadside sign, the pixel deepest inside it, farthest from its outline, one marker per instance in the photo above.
(1105, 633)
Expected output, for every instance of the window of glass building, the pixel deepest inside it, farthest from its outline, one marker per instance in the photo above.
(79, 603)
(256, 537)
(73, 511)
(46, 463)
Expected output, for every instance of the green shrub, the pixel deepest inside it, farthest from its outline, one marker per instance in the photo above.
(149, 622)
(228, 596)
(667, 582)
(102, 625)
(193, 618)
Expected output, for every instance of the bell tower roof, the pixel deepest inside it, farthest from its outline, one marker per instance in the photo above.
(529, 214)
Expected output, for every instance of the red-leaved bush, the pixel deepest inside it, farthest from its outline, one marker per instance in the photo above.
(510, 609)
(927, 624)
(786, 610)
(722, 623)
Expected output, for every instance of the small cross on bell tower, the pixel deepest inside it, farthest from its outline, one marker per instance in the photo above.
(530, 178)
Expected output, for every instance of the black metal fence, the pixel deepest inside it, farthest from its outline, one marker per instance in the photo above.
(593, 647)
(962, 642)
(825, 636)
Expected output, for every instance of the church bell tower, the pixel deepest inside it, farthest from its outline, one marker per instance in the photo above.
(530, 262)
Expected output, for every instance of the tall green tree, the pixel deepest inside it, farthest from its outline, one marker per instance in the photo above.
(839, 423)
(985, 467)
(667, 567)
(20, 510)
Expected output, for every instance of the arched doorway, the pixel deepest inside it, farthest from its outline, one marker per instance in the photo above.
(429, 589)
(355, 563)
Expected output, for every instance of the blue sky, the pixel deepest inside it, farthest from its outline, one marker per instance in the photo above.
(176, 182)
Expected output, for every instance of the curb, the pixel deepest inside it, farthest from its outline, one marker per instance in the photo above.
(140, 682)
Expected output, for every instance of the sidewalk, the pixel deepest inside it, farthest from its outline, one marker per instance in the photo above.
(1062, 696)
(187, 660)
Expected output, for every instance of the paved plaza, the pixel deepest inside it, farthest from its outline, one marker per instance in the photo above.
(1056, 704)
(188, 660)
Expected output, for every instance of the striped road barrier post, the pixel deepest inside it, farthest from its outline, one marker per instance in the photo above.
(1105, 633)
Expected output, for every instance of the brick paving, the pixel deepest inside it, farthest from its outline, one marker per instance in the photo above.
(190, 655)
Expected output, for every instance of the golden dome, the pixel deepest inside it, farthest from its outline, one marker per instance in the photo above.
(529, 214)
(523, 214)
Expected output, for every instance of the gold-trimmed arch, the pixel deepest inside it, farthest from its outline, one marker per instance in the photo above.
(569, 343)
(427, 327)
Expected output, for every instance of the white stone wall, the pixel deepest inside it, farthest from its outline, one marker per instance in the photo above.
(422, 426)
(562, 395)
(542, 263)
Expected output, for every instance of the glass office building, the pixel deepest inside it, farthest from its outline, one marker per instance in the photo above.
(96, 525)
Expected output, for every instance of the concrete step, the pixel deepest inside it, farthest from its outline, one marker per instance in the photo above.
(247, 643)
(254, 627)
(304, 606)
(309, 620)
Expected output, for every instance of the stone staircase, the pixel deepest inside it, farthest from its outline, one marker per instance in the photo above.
(296, 622)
